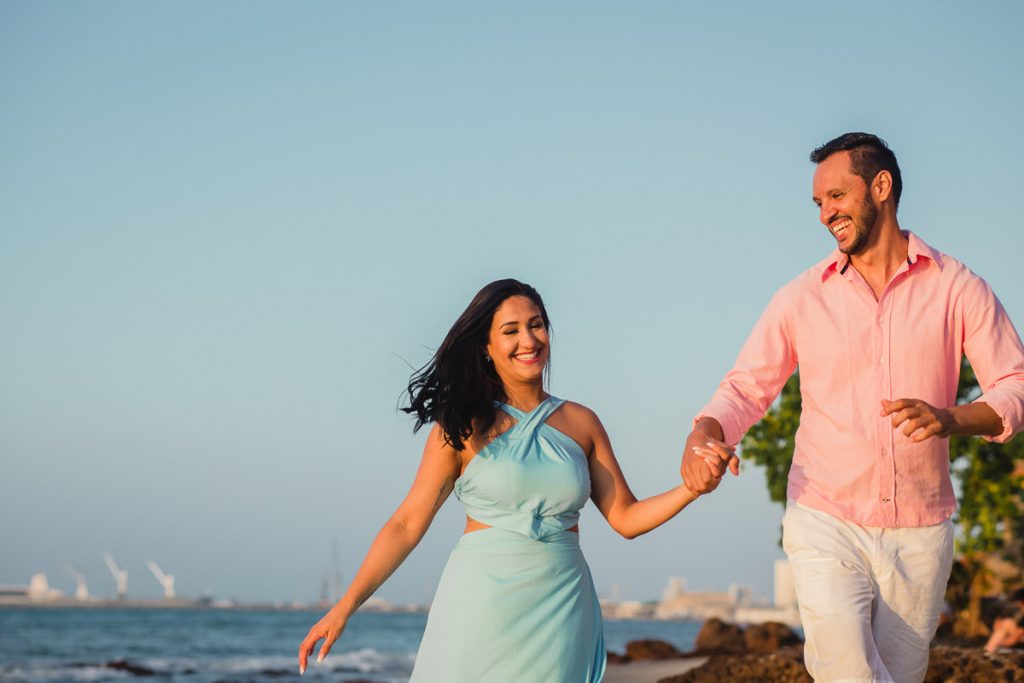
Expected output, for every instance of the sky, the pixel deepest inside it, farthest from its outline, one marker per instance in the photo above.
(229, 231)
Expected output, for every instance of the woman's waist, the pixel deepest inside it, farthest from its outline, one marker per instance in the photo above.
(476, 525)
(526, 520)
(497, 539)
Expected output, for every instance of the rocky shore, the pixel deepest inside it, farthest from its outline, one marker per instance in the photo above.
(773, 653)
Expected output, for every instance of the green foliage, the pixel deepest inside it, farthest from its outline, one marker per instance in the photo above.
(771, 441)
(991, 494)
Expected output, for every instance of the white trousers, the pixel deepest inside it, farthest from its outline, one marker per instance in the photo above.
(870, 598)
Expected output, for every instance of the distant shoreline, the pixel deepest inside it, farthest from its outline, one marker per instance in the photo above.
(155, 604)
(8, 602)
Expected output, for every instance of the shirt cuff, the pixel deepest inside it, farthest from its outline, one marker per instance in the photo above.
(1010, 413)
(730, 429)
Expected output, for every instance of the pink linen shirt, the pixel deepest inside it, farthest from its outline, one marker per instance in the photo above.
(853, 351)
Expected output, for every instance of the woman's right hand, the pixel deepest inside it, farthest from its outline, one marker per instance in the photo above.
(328, 629)
(434, 481)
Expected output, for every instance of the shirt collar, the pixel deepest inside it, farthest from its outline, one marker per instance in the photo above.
(918, 248)
(838, 262)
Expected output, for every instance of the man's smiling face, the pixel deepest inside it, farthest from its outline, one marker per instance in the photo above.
(845, 204)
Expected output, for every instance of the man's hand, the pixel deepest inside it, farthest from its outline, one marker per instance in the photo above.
(919, 420)
(706, 457)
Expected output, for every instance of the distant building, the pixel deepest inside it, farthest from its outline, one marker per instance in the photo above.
(737, 604)
(627, 609)
(37, 590)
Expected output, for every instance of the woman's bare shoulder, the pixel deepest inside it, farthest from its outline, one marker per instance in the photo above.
(579, 422)
(580, 414)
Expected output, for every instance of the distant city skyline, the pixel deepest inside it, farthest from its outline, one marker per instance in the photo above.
(229, 232)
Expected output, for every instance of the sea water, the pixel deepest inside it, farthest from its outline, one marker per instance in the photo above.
(229, 645)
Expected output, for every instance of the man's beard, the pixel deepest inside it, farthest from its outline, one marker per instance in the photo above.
(865, 225)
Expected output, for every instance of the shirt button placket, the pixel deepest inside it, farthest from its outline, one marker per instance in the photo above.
(887, 462)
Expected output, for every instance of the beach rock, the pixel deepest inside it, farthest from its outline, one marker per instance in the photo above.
(719, 637)
(960, 665)
(645, 650)
(947, 664)
(784, 666)
(129, 667)
(616, 658)
(769, 637)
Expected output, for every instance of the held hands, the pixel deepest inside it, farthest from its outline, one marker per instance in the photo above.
(919, 420)
(705, 459)
(328, 629)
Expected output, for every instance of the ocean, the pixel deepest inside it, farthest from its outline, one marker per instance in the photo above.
(229, 646)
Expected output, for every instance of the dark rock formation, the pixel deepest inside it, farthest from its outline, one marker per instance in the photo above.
(769, 637)
(616, 658)
(641, 650)
(958, 665)
(129, 667)
(784, 666)
(947, 665)
(719, 637)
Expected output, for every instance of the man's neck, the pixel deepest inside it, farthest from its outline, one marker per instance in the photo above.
(884, 255)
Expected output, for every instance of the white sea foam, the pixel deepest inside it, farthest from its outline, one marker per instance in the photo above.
(369, 660)
(58, 673)
(390, 666)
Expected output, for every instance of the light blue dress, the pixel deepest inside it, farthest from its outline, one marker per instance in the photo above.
(516, 602)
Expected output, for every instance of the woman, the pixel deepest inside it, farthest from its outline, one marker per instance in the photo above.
(1008, 627)
(516, 601)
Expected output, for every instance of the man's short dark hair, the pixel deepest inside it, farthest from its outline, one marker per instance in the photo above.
(868, 156)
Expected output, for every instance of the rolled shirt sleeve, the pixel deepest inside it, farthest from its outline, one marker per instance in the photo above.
(764, 364)
(994, 350)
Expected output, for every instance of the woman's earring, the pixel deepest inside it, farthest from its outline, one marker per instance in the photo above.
(487, 357)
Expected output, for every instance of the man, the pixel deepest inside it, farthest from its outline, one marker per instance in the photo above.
(878, 330)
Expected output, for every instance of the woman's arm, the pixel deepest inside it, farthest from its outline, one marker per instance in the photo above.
(434, 482)
(1005, 633)
(611, 494)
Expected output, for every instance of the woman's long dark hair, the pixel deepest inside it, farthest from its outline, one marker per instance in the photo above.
(458, 387)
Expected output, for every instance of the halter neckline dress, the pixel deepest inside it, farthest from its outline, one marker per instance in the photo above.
(516, 601)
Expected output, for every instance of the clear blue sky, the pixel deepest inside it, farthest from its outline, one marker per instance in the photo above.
(228, 229)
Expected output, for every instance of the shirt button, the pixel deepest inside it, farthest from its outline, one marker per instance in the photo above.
(882, 361)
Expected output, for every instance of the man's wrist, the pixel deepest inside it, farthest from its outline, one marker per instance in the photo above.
(711, 427)
(973, 419)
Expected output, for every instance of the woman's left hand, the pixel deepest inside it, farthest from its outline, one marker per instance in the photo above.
(328, 629)
(719, 457)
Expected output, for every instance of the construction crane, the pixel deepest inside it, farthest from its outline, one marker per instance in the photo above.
(120, 576)
(166, 580)
(81, 591)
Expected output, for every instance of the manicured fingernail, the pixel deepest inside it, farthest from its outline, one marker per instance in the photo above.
(302, 670)
(320, 658)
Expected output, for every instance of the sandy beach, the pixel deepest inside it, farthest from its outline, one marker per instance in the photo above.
(650, 672)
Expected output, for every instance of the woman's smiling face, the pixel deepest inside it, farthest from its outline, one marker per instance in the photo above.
(518, 341)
